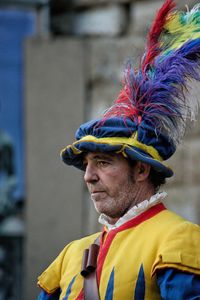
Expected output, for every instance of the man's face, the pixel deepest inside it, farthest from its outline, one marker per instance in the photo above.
(111, 183)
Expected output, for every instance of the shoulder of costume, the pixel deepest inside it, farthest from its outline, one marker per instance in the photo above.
(179, 248)
(49, 280)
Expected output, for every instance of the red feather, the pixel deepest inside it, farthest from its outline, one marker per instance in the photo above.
(156, 29)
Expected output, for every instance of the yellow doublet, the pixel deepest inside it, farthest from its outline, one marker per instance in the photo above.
(129, 257)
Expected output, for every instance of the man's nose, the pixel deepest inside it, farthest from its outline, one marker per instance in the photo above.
(90, 175)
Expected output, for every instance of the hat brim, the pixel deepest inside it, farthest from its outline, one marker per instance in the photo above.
(74, 154)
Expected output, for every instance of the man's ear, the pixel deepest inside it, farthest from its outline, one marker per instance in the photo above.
(142, 171)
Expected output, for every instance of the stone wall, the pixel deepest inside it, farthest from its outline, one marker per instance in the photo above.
(54, 109)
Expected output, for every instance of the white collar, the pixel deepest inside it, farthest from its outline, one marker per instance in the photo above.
(134, 211)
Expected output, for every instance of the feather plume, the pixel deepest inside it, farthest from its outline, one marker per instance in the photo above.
(156, 93)
(153, 48)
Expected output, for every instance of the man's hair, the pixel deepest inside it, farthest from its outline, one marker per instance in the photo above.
(156, 178)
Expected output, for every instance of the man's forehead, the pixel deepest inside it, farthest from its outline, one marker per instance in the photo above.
(101, 155)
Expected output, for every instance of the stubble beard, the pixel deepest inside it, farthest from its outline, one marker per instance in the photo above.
(116, 205)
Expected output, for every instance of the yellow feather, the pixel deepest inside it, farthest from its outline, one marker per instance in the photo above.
(178, 33)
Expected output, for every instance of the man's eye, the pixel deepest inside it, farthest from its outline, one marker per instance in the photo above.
(102, 163)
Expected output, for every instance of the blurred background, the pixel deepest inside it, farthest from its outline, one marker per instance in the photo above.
(61, 63)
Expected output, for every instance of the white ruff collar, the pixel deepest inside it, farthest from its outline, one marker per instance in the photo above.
(134, 211)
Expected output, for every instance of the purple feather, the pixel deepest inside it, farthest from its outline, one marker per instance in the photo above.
(159, 95)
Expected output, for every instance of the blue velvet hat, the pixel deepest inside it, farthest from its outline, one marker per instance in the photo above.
(114, 135)
(148, 119)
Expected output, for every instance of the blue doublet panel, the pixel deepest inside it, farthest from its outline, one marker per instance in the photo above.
(178, 285)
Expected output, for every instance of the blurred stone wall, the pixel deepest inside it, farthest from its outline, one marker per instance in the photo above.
(53, 109)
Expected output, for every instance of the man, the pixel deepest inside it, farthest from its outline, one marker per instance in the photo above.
(144, 251)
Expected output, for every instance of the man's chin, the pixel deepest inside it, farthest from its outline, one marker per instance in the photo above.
(100, 208)
(98, 196)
